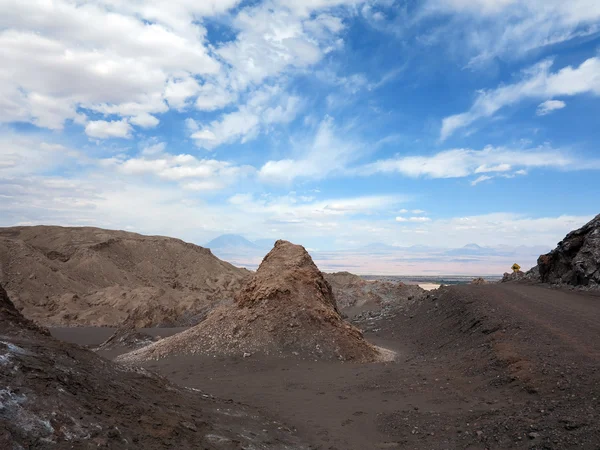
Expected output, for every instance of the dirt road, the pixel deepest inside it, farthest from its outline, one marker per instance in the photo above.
(571, 317)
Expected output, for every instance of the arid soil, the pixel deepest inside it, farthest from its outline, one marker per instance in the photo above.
(88, 276)
(287, 309)
(61, 396)
(480, 367)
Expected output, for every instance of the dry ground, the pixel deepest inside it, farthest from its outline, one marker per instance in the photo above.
(493, 366)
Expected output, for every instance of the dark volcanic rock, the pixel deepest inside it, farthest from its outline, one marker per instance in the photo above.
(576, 259)
(55, 395)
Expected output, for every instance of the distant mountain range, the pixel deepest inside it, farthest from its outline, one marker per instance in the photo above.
(235, 242)
(227, 242)
(379, 257)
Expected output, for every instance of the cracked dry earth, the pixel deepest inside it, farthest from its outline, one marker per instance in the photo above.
(479, 367)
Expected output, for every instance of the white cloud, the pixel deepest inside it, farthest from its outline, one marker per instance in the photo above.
(419, 219)
(265, 107)
(549, 106)
(136, 59)
(464, 162)
(296, 211)
(98, 55)
(103, 129)
(145, 120)
(480, 179)
(145, 193)
(192, 173)
(275, 38)
(509, 29)
(21, 155)
(178, 91)
(212, 97)
(538, 82)
(326, 154)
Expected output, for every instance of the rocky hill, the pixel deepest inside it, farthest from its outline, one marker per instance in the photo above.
(286, 309)
(576, 259)
(90, 276)
(354, 293)
(55, 395)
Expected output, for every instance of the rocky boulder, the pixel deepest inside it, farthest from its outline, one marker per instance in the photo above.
(286, 309)
(576, 259)
(513, 276)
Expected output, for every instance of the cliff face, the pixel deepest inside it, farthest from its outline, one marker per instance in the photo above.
(576, 259)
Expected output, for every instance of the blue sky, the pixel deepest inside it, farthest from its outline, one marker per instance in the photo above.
(332, 123)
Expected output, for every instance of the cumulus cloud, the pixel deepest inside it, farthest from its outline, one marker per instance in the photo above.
(103, 129)
(549, 106)
(145, 120)
(99, 55)
(538, 82)
(190, 172)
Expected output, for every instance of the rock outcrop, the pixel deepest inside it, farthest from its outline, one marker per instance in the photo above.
(85, 276)
(576, 259)
(55, 395)
(353, 293)
(286, 309)
(513, 276)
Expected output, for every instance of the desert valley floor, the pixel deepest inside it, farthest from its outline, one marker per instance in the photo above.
(478, 367)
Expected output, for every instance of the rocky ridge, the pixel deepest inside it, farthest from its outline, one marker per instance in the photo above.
(85, 276)
(286, 309)
(576, 259)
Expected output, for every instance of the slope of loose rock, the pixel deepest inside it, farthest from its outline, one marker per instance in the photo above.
(576, 259)
(353, 292)
(286, 309)
(89, 276)
(55, 395)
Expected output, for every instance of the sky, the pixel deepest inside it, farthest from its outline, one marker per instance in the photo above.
(330, 123)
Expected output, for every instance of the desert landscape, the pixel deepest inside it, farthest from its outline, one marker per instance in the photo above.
(116, 340)
(299, 224)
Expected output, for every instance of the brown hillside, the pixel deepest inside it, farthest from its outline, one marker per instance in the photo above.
(90, 276)
(286, 309)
